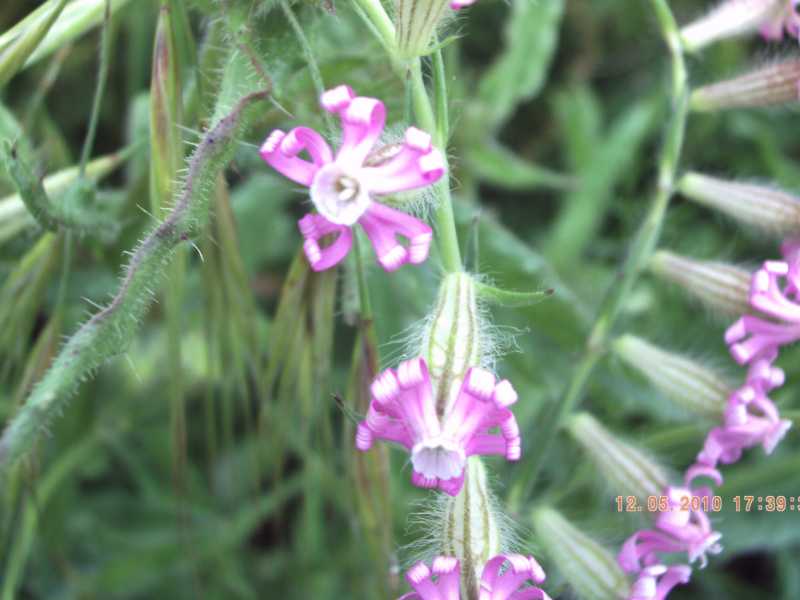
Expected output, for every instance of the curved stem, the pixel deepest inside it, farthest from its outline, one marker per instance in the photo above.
(640, 251)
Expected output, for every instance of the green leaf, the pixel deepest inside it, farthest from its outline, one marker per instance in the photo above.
(14, 55)
(499, 166)
(518, 74)
(600, 167)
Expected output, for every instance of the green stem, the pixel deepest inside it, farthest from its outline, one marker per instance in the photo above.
(641, 249)
(365, 303)
(313, 67)
(102, 77)
(428, 120)
(445, 219)
(374, 11)
(110, 331)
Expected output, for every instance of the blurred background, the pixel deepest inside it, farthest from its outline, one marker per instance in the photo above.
(214, 457)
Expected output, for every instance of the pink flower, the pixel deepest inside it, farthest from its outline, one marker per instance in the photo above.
(786, 18)
(459, 4)
(443, 581)
(676, 529)
(751, 418)
(343, 187)
(403, 410)
(655, 582)
(774, 291)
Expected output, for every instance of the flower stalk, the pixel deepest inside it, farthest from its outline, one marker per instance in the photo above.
(639, 255)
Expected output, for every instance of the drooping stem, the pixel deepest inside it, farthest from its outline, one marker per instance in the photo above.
(641, 249)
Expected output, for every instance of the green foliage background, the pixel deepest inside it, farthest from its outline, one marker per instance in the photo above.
(231, 473)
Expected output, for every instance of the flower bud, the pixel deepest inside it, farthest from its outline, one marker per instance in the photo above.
(416, 22)
(682, 379)
(627, 468)
(768, 86)
(721, 287)
(590, 569)
(471, 529)
(768, 209)
(730, 19)
(452, 338)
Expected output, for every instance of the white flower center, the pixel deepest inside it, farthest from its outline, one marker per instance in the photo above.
(339, 196)
(438, 458)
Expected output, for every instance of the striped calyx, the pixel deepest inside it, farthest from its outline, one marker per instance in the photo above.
(719, 286)
(589, 568)
(629, 470)
(470, 528)
(451, 343)
(682, 379)
(416, 24)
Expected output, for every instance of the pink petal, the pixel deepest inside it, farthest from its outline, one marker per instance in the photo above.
(314, 227)
(452, 486)
(497, 586)
(280, 150)
(480, 406)
(655, 582)
(362, 123)
(446, 587)
(417, 164)
(383, 225)
(459, 4)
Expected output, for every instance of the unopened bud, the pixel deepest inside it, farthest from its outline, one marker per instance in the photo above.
(452, 339)
(730, 19)
(771, 85)
(680, 378)
(471, 529)
(723, 288)
(627, 468)
(767, 209)
(588, 567)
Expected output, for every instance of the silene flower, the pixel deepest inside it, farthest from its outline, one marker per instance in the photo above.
(504, 578)
(343, 186)
(403, 410)
(676, 530)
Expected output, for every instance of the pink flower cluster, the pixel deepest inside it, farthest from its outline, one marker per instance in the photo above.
(751, 418)
(343, 186)
(403, 408)
(442, 581)
(676, 530)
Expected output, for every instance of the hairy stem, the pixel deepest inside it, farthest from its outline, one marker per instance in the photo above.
(111, 329)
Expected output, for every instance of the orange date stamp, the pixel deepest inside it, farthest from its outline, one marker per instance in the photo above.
(657, 504)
